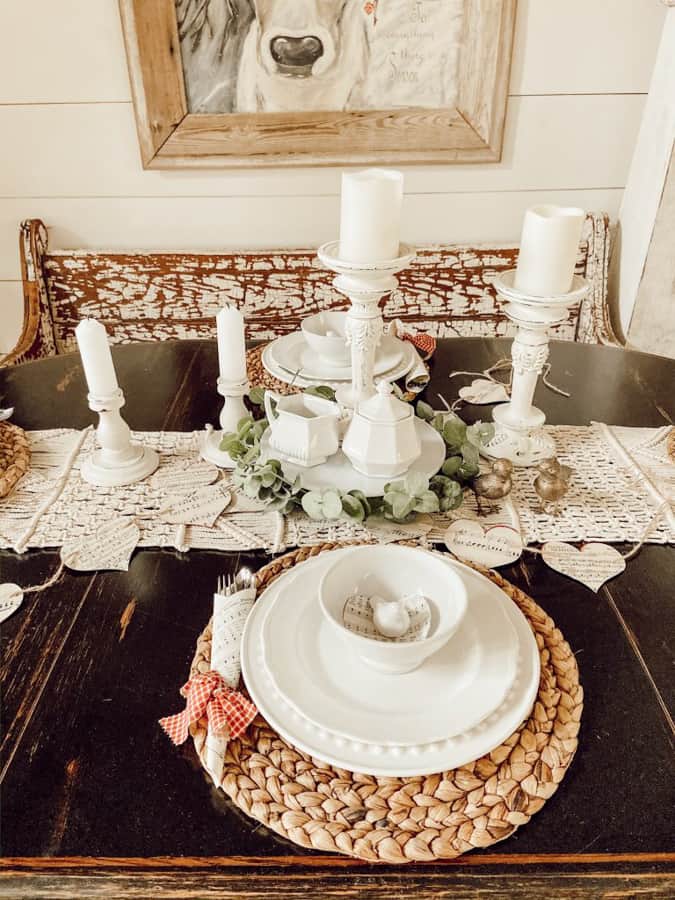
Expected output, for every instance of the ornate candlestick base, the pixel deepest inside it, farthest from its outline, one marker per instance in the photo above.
(365, 284)
(118, 460)
(232, 412)
(519, 436)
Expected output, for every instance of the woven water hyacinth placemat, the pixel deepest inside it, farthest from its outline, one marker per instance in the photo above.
(14, 456)
(260, 377)
(420, 819)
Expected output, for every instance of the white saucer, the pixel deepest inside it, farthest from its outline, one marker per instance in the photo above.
(327, 683)
(338, 472)
(380, 759)
(301, 380)
(291, 352)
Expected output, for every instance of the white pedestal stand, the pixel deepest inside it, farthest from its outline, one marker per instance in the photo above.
(118, 460)
(519, 436)
(232, 412)
(365, 284)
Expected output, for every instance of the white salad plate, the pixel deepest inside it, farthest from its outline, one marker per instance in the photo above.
(324, 679)
(291, 352)
(292, 376)
(338, 473)
(386, 759)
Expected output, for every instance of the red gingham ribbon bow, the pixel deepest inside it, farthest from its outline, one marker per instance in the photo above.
(425, 343)
(228, 711)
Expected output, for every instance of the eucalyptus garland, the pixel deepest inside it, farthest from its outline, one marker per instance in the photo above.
(402, 500)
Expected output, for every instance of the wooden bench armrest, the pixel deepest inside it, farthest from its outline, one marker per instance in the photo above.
(36, 340)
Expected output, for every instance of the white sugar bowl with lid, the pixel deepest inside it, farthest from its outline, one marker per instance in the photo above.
(382, 438)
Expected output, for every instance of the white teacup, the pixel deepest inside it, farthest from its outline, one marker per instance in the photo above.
(303, 428)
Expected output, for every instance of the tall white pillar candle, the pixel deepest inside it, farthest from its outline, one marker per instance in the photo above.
(231, 344)
(370, 221)
(97, 363)
(548, 250)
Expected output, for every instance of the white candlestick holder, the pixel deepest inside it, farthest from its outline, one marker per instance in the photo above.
(519, 435)
(234, 409)
(118, 460)
(365, 284)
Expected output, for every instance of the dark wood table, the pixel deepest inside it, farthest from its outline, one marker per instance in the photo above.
(96, 802)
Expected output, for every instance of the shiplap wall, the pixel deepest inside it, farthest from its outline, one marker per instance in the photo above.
(69, 155)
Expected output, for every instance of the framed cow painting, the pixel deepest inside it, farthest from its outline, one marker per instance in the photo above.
(311, 82)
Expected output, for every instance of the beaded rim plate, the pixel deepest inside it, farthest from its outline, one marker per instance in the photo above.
(327, 684)
(419, 818)
(397, 760)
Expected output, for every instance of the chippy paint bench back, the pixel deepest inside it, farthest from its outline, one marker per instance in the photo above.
(448, 290)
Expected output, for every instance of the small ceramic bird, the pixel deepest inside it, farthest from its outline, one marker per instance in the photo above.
(495, 484)
(390, 617)
(551, 484)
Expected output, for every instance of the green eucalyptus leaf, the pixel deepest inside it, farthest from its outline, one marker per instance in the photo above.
(402, 506)
(353, 508)
(426, 502)
(424, 411)
(415, 483)
(257, 396)
(467, 471)
(451, 466)
(268, 477)
(454, 432)
(332, 505)
(480, 433)
(321, 390)
(363, 500)
(312, 505)
(438, 422)
(470, 455)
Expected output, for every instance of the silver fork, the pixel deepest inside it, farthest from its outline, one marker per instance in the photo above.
(227, 585)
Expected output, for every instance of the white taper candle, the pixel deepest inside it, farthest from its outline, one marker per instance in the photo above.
(370, 221)
(231, 344)
(548, 250)
(97, 363)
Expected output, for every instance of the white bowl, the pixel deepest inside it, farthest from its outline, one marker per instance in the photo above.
(325, 334)
(391, 571)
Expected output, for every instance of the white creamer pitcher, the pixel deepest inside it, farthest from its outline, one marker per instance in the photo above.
(303, 428)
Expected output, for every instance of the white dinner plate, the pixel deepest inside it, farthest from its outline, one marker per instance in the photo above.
(325, 680)
(338, 473)
(398, 371)
(291, 352)
(380, 759)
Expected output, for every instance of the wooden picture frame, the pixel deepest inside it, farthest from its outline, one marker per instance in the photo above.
(172, 137)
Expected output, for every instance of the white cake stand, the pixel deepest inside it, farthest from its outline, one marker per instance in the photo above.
(338, 473)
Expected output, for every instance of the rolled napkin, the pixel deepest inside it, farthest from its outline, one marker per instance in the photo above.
(215, 693)
(418, 377)
(229, 617)
(425, 346)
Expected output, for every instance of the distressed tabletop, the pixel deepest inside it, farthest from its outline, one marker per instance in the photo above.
(96, 801)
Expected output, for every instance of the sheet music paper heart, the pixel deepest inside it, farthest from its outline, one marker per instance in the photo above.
(481, 390)
(492, 545)
(174, 480)
(592, 565)
(387, 531)
(11, 597)
(108, 548)
(199, 507)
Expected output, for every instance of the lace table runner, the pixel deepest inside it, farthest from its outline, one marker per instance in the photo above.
(622, 476)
